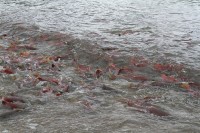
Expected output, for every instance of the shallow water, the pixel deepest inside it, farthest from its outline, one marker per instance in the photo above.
(93, 33)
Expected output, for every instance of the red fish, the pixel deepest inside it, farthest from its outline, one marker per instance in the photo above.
(12, 99)
(12, 47)
(168, 78)
(139, 77)
(27, 47)
(156, 111)
(10, 105)
(194, 84)
(135, 77)
(124, 70)
(25, 54)
(80, 67)
(58, 93)
(185, 85)
(98, 73)
(47, 89)
(7, 71)
(13, 102)
(160, 67)
(64, 87)
(51, 80)
(112, 66)
(168, 67)
(142, 106)
(84, 68)
(139, 62)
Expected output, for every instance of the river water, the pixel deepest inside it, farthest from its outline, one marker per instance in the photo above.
(154, 44)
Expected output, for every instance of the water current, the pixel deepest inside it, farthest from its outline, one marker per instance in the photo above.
(99, 66)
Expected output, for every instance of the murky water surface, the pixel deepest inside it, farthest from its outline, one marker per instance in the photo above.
(100, 66)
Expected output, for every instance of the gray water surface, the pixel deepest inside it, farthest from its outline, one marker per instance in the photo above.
(167, 28)
(158, 31)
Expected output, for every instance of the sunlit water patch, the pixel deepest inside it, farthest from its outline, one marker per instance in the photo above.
(99, 66)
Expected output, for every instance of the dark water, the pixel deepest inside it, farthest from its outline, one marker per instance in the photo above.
(126, 33)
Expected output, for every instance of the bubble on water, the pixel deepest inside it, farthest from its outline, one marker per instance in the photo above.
(5, 131)
(33, 125)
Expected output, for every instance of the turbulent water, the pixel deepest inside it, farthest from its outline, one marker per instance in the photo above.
(116, 58)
